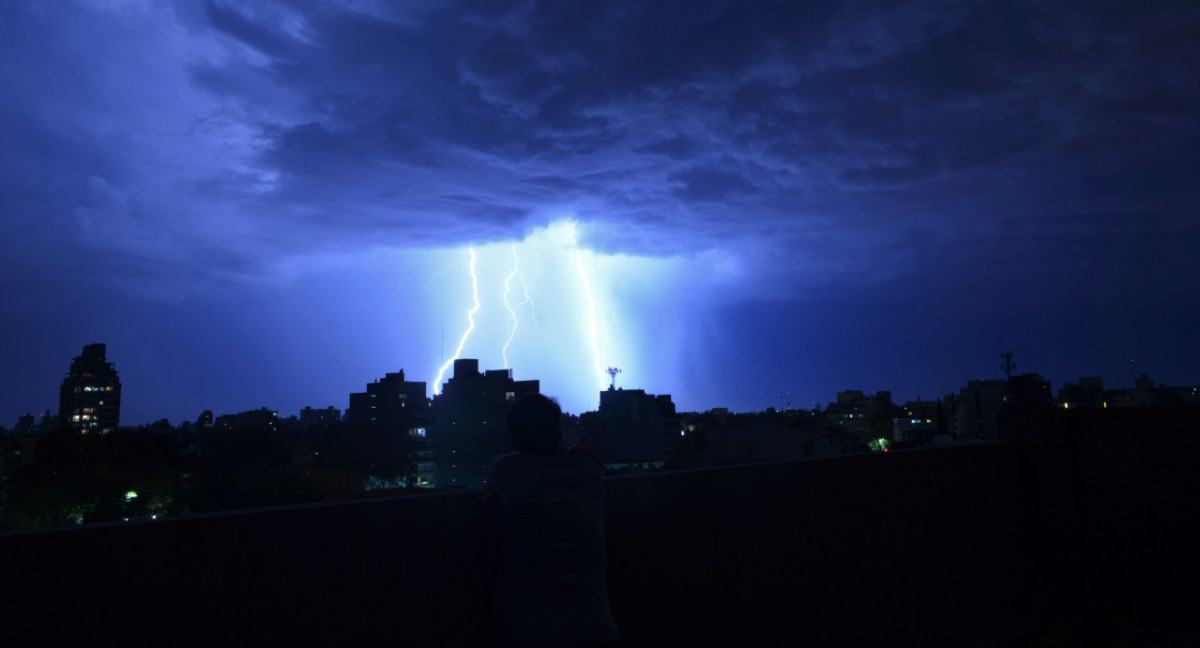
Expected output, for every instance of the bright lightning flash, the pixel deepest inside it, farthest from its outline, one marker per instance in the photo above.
(591, 316)
(512, 311)
(560, 313)
(437, 383)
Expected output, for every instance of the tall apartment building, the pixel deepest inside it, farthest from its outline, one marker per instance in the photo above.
(400, 410)
(470, 421)
(90, 398)
(979, 406)
(630, 426)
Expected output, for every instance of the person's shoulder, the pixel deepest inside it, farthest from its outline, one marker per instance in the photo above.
(505, 458)
(583, 464)
(501, 462)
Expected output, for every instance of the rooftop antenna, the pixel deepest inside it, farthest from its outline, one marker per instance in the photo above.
(613, 371)
(1008, 365)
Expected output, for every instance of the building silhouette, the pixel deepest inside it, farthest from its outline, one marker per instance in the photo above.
(470, 422)
(979, 405)
(854, 411)
(90, 397)
(629, 426)
(391, 401)
(262, 418)
(1029, 390)
(397, 412)
(1088, 392)
(918, 425)
(311, 417)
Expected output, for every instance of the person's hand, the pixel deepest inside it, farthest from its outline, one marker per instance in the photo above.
(585, 449)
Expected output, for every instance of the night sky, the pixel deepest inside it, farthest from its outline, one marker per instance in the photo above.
(272, 203)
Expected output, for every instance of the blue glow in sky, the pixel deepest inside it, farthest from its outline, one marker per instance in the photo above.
(469, 328)
(586, 311)
(273, 202)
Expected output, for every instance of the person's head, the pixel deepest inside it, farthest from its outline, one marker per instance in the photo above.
(535, 425)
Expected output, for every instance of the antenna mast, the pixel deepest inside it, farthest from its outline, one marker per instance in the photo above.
(1008, 365)
(613, 371)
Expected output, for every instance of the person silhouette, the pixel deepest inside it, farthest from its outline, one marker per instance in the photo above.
(544, 523)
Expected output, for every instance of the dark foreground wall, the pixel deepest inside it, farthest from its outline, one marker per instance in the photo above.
(950, 546)
(905, 548)
(1115, 495)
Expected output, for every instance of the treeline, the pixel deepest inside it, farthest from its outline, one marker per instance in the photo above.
(136, 473)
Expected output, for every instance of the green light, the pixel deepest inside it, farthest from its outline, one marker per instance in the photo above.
(130, 496)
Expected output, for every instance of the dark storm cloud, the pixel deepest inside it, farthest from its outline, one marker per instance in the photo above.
(712, 183)
(909, 166)
(311, 128)
(1012, 165)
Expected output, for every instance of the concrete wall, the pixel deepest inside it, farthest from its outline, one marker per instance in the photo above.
(947, 546)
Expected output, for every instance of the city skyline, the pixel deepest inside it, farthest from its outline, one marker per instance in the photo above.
(1094, 388)
(272, 203)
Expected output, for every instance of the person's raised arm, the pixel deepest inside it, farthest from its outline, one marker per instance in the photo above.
(585, 449)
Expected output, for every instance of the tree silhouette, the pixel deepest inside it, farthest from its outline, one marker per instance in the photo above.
(77, 478)
(247, 467)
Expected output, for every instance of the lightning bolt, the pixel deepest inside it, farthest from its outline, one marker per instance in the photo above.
(437, 383)
(591, 316)
(512, 312)
(529, 300)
